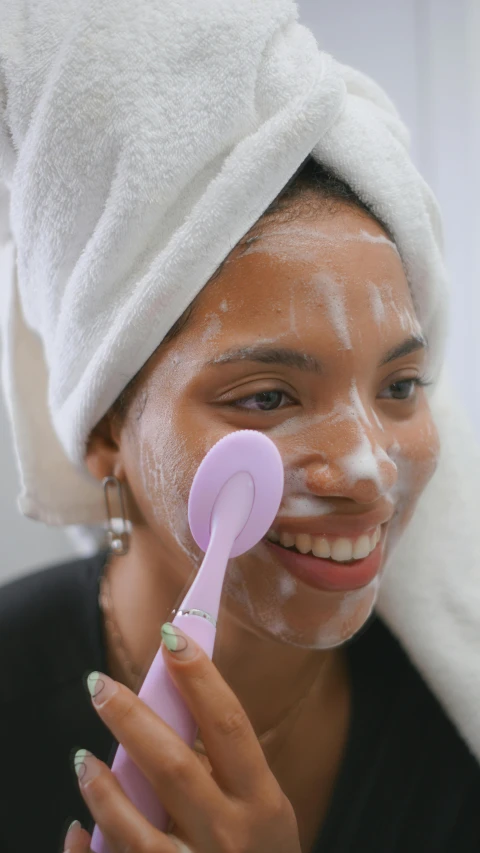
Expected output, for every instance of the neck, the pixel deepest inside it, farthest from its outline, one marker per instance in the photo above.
(274, 681)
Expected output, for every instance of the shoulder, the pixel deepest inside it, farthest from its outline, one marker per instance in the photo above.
(47, 619)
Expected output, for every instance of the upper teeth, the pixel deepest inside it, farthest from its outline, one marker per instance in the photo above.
(342, 549)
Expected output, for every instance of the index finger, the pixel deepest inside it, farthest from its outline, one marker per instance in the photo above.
(237, 759)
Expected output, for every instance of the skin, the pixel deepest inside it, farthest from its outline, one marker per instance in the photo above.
(333, 287)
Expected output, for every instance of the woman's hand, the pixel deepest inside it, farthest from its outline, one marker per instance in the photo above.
(238, 807)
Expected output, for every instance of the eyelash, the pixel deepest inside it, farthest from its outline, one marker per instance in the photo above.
(417, 381)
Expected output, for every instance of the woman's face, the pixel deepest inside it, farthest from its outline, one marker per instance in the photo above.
(309, 335)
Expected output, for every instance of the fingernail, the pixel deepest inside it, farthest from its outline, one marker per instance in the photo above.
(72, 831)
(101, 688)
(86, 766)
(178, 642)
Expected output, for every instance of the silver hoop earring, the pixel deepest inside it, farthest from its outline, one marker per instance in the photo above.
(118, 528)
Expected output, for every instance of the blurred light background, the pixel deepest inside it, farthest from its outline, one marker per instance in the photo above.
(425, 54)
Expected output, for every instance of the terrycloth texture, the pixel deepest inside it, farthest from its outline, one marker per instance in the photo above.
(139, 141)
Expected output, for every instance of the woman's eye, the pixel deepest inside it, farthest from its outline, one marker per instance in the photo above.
(404, 389)
(264, 401)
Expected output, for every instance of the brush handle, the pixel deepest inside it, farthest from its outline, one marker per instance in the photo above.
(159, 693)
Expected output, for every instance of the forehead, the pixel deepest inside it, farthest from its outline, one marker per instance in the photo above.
(307, 262)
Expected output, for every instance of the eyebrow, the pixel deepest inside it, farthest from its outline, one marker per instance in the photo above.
(302, 360)
(411, 344)
(271, 355)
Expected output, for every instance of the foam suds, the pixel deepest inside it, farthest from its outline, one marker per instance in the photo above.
(361, 464)
(332, 291)
(298, 242)
(160, 474)
(287, 586)
(214, 327)
(351, 613)
(377, 238)
(291, 426)
(305, 505)
(376, 302)
(377, 419)
(357, 404)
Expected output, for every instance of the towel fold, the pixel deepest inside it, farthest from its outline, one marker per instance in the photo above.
(139, 142)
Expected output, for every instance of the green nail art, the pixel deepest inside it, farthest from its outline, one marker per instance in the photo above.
(176, 641)
(170, 637)
(92, 681)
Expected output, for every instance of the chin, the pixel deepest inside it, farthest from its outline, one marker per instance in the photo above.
(274, 606)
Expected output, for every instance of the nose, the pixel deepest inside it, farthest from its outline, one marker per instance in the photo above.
(354, 466)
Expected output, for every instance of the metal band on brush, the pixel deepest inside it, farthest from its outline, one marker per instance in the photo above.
(195, 612)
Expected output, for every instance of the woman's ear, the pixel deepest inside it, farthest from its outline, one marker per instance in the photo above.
(103, 456)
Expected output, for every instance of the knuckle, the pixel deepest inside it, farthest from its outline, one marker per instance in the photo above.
(121, 710)
(279, 810)
(200, 669)
(181, 766)
(233, 724)
(101, 788)
(280, 806)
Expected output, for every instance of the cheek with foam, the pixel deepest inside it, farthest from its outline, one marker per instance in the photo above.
(164, 482)
(289, 612)
(165, 462)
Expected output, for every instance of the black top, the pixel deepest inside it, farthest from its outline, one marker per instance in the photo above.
(408, 783)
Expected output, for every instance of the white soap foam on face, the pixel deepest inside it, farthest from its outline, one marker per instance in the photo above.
(411, 323)
(377, 420)
(298, 241)
(361, 464)
(160, 472)
(235, 585)
(357, 404)
(376, 302)
(213, 328)
(332, 291)
(351, 614)
(408, 321)
(295, 425)
(287, 586)
(163, 455)
(224, 306)
(332, 618)
(308, 506)
(377, 238)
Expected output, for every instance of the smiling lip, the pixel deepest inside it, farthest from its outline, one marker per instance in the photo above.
(350, 526)
(329, 575)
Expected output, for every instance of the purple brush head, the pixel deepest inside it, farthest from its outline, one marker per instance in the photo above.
(246, 451)
(234, 498)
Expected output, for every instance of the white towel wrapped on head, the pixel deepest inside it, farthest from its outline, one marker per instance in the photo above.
(139, 142)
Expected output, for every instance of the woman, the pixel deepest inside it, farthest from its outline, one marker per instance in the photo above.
(175, 305)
